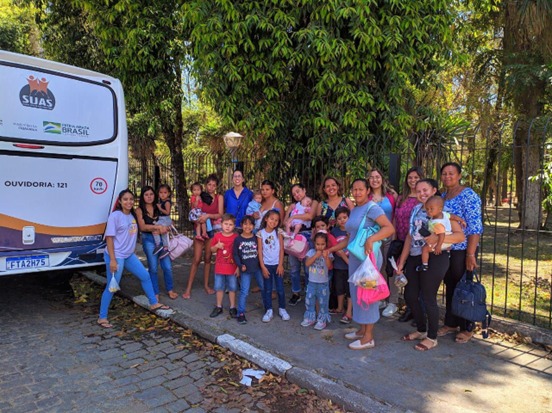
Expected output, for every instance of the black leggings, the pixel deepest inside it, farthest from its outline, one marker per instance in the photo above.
(453, 275)
(425, 284)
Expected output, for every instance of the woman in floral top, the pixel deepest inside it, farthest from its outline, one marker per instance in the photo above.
(466, 204)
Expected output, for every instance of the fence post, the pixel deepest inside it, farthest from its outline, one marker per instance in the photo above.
(395, 170)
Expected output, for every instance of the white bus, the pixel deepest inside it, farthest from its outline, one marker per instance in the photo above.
(63, 161)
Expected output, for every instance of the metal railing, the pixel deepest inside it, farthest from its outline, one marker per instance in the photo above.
(515, 262)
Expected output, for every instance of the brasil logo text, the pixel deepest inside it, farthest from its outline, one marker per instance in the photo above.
(36, 94)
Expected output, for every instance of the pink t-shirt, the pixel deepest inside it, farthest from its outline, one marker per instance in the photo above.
(402, 217)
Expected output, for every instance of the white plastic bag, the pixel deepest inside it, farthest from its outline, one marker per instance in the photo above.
(113, 284)
(400, 278)
(366, 275)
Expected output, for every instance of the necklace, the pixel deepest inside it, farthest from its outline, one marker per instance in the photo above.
(454, 191)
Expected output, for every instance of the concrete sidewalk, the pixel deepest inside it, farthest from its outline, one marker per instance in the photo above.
(480, 376)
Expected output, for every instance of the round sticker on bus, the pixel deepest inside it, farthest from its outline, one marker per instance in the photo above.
(98, 186)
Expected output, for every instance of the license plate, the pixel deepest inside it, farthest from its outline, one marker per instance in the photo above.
(30, 261)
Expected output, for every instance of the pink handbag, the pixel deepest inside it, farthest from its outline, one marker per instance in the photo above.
(298, 248)
(178, 243)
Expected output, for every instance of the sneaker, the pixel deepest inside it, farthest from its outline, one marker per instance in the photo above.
(307, 323)
(242, 319)
(382, 304)
(320, 325)
(389, 310)
(345, 320)
(158, 249)
(267, 316)
(284, 314)
(164, 254)
(216, 312)
(423, 267)
(233, 313)
(295, 298)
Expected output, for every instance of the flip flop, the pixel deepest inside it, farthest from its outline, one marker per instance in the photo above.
(105, 324)
(209, 291)
(463, 337)
(423, 347)
(186, 296)
(172, 295)
(161, 307)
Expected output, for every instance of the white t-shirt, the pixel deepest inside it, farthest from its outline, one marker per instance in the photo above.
(271, 246)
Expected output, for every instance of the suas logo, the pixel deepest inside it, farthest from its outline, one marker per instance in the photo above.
(36, 94)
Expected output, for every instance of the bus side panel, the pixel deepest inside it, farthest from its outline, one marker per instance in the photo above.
(57, 206)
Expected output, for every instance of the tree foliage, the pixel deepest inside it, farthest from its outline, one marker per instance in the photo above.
(18, 30)
(332, 76)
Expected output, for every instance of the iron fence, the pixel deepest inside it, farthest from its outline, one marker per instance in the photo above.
(515, 262)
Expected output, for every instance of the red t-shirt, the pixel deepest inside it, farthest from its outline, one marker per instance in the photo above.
(224, 261)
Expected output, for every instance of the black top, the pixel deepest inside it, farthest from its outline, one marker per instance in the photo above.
(245, 253)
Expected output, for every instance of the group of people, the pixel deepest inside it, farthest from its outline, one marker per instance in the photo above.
(248, 231)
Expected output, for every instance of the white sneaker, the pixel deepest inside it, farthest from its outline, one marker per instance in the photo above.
(284, 314)
(389, 310)
(353, 336)
(320, 325)
(267, 316)
(307, 323)
(382, 304)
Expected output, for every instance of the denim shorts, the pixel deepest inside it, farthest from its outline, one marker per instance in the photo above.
(223, 282)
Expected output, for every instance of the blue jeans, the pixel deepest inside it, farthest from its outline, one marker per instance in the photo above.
(295, 266)
(226, 281)
(245, 283)
(317, 292)
(158, 239)
(148, 245)
(273, 278)
(134, 266)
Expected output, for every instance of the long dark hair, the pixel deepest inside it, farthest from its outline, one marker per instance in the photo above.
(118, 206)
(431, 182)
(323, 184)
(267, 215)
(271, 185)
(142, 201)
(406, 188)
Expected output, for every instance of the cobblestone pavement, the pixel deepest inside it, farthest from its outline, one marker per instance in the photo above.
(54, 358)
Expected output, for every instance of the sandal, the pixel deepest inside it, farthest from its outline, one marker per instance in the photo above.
(345, 320)
(105, 324)
(424, 347)
(443, 331)
(417, 335)
(172, 295)
(463, 337)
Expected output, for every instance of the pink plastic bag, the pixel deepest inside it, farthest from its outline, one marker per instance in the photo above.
(371, 286)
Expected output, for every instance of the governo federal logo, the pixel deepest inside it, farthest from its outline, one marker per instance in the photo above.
(36, 94)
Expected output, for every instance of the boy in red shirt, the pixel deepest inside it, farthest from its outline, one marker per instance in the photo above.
(226, 270)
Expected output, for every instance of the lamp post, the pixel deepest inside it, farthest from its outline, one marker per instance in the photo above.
(232, 140)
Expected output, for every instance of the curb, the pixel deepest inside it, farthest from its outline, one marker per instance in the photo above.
(323, 387)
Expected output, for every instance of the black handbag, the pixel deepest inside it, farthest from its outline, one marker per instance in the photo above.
(469, 302)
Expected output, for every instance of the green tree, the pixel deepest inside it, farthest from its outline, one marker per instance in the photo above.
(330, 77)
(143, 41)
(18, 30)
(527, 57)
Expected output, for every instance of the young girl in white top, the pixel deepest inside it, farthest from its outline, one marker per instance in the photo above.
(271, 258)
